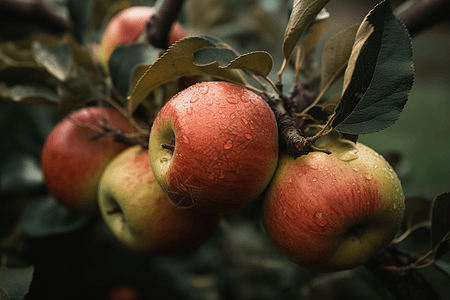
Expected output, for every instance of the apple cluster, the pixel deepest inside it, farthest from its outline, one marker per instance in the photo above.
(213, 149)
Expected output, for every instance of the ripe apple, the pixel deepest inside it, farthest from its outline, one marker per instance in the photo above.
(138, 212)
(72, 162)
(214, 147)
(333, 212)
(126, 27)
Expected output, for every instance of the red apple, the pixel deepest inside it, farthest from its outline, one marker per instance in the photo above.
(221, 147)
(126, 27)
(333, 212)
(139, 214)
(72, 162)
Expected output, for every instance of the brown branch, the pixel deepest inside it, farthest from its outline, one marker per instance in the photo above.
(418, 15)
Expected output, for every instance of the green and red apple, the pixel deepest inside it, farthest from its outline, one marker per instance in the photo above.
(139, 214)
(72, 161)
(214, 147)
(333, 212)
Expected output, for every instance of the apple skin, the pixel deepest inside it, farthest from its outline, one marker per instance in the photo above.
(226, 147)
(72, 163)
(139, 214)
(333, 212)
(127, 26)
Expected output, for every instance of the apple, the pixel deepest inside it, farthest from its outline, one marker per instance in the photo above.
(333, 212)
(127, 26)
(214, 147)
(139, 214)
(72, 162)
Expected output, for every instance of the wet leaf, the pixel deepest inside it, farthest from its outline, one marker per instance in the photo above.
(440, 220)
(176, 62)
(15, 283)
(44, 217)
(335, 56)
(379, 75)
(303, 13)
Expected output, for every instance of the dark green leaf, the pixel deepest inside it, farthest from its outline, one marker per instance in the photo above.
(20, 172)
(442, 250)
(34, 95)
(259, 62)
(44, 217)
(379, 76)
(123, 61)
(56, 59)
(440, 220)
(15, 283)
(80, 14)
(210, 55)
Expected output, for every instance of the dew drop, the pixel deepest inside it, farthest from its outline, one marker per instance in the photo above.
(232, 116)
(209, 102)
(245, 99)
(211, 176)
(234, 132)
(368, 176)
(228, 145)
(194, 98)
(185, 139)
(232, 100)
(202, 89)
(353, 183)
(290, 180)
(355, 169)
(349, 155)
(245, 121)
(189, 110)
(319, 219)
(248, 136)
(314, 179)
(221, 175)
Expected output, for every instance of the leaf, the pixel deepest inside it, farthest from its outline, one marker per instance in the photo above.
(440, 219)
(125, 58)
(33, 95)
(44, 217)
(303, 13)
(210, 55)
(418, 209)
(15, 283)
(176, 62)
(335, 56)
(258, 62)
(379, 76)
(442, 250)
(80, 12)
(56, 59)
(314, 32)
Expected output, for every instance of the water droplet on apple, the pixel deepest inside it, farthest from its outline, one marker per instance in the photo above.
(315, 167)
(194, 98)
(355, 169)
(232, 116)
(234, 132)
(189, 110)
(245, 121)
(185, 139)
(202, 89)
(245, 98)
(319, 219)
(228, 145)
(232, 100)
(221, 175)
(211, 176)
(248, 136)
(314, 179)
(353, 183)
(209, 102)
(349, 155)
(368, 176)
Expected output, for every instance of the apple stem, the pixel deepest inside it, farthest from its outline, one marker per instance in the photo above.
(169, 147)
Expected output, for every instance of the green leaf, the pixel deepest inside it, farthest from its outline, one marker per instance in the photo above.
(335, 56)
(259, 62)
(440, 220)
(442, 250)
(33, 95)
(56, 59)
(44, 217)
(379, 75)
(314, 31)
(177, 61)
(127, 57)
(80, 13)
(210, 55)
(303, 13)
(15, 283)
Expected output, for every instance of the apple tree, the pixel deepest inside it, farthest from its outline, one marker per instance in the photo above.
(323, 68)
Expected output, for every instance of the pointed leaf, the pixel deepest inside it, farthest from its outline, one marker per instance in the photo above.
(176, 62)
(15, 283)
(336, 54)
(258, 62)
(56, 59)
(314, 31)
(379, 76)
(440, 220)
(303, 13)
